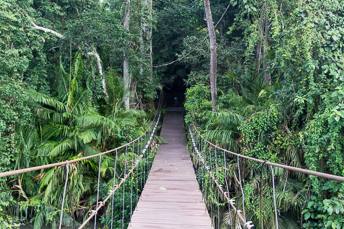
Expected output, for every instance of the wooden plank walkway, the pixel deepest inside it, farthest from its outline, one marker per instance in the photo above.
(171, 198)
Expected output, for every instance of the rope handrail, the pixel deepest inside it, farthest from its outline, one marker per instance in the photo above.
(274, 164)
(63, 163)
(124, 179)
(230, 201)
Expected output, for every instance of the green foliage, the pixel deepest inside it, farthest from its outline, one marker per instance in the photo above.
(15, 115)
(281, 71)
(326, 214)
(64, 127)
(22, 49)
(280, 98)
(256, 133)
(115, 91)
(53, 105)
(198, 101)
(222, 128)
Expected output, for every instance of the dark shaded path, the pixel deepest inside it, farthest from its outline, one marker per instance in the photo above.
(171, 196)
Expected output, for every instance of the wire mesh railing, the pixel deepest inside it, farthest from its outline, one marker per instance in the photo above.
(221, 177)
(120, 177)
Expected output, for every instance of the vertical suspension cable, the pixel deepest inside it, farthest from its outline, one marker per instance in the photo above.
(218, 210)
(141, 173)
(98, 189)
(241, 187)
(274, 196)
(131, 182)
(123, 187)
(136, 175)
(113, 196)
(144, 168)
(212, 187)
(131, 194)
(199, 168)
(202, 177)
(208, 184)
(199, 140)
(260, 198)
(137, 183)
(226, 182)
(211, 163)
(218, 194)
(64, 194)
(146, 161)
(225, 171)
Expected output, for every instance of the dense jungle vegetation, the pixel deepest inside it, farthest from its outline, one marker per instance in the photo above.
(280, 98)
(61, 96)
(78, 77)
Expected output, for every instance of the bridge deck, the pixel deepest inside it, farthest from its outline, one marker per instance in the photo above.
(171, 197)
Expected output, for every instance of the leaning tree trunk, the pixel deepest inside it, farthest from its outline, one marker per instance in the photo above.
(126, 71)
(95, 54)
(213, 53)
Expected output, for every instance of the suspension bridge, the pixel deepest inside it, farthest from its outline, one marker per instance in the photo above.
(171, 196)
(166, 189)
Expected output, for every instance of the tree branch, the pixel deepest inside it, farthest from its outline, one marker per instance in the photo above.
(95, 54)
(47, 30)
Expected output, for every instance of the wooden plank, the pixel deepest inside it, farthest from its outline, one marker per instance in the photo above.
(171, 198)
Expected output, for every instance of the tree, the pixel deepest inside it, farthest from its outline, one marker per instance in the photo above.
(126, 70)
(146, 46)
(213, 53)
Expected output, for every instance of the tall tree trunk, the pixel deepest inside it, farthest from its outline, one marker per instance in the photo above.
(213, 53)
(146, 46)
(150, 38)
(126, 71)
(142, 42)
(267, 76)
(263, 45)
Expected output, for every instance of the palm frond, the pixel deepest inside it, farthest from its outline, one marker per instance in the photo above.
(87, 136)
(61, 147)
(53, 116)
(56, 131)
(47, 101)
(96, 120)
(222, 128)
